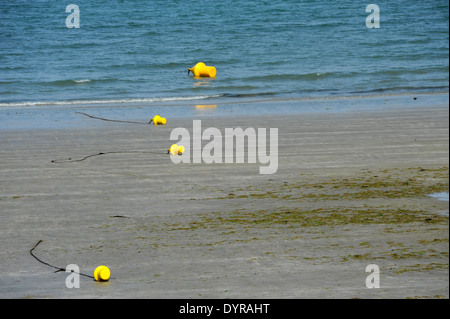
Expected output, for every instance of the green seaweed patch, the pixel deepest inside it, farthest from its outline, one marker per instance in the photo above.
(366, 256)
(422, 267)
(433, 241)
(394, 183)
(308, 218)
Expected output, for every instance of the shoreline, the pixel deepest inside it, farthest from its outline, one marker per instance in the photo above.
(65, 116)
(351, 190)
(176, 101)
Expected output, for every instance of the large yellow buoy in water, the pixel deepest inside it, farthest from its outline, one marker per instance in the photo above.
(202, 70)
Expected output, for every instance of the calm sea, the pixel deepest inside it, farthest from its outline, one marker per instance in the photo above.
(139, 51)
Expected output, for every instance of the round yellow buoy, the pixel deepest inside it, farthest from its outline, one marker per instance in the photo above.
(158, 120)
(176, 149)
(102, 273)
(202, 70)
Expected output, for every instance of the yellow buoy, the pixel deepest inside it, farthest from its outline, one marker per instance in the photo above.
(202, 70)
(176, 149)
(196, 68)
(158, 120)
(102, 273)
(208, 71)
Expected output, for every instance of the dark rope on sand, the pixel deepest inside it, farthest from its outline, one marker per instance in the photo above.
(58, 269)
(109, 120)
(69, 160)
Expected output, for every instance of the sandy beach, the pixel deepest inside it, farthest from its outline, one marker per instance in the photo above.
(351, 190)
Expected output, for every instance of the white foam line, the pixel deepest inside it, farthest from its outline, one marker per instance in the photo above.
(86, 102)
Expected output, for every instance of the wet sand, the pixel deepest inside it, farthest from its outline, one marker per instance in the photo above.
(351, 190)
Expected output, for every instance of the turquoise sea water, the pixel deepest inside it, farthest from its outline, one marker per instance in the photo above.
(139, 51)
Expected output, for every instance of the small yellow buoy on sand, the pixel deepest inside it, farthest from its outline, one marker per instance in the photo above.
(176, 149)
(158, 120)
(202, 70)
(102, 273)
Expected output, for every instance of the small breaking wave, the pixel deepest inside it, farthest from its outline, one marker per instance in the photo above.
(83, 81)
(71, 82)
(111, 101)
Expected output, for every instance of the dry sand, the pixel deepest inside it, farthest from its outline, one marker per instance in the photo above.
(351, 190)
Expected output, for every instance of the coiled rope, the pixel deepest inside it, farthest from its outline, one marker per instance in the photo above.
(58, 269)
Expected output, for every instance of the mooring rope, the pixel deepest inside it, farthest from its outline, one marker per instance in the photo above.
(58, 269)
(69, 160)
(109, 120)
